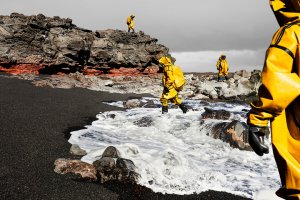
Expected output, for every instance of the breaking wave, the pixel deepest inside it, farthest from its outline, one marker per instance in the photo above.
(173, 152)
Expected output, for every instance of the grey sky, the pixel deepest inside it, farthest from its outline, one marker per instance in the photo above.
(190, 25)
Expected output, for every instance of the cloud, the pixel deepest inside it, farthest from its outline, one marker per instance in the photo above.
(205, 61)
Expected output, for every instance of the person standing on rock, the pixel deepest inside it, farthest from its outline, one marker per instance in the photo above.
(222, 66)
(173, 82)
(130, 23)
(279, 99)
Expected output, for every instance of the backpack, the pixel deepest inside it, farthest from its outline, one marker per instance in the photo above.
(179, 77)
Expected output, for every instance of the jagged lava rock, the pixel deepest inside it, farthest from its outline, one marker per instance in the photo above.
(51, 45)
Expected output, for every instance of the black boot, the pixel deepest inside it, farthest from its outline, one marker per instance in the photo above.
(183, 108)
(164, 109)
(226, 77)
(218, 78)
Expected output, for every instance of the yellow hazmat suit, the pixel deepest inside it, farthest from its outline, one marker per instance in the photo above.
(222, 66)
(130, 23)
(173, 81)
(279, 99)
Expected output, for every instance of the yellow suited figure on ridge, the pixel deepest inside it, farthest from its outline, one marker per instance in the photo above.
(279, 100)
(222, 66)
(130, 22)
(173, 82)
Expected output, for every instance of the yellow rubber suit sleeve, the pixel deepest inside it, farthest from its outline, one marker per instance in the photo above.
(280, 86)
(218, 64)
(169, 76)
(129, 20)
(225, 65)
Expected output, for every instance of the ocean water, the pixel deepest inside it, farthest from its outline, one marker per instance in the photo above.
(174, 154)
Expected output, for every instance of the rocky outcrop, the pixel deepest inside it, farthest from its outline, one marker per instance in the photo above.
(110, 167)
(42, 44)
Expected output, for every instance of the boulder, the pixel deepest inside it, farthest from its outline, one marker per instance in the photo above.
(85, 170)
(132, 103)
(215, 114)
(235, 133)
(111, 152)
(244, 86)
(110, 167)
(76, 150)
(213, 94)
(199, 96)
(146, 121)
(243, 73)
(236, 77)
(227, 93)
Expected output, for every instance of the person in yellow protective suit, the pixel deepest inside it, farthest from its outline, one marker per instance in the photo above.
(222, 66)
(130, 23)
(173, 81)
(279, 99)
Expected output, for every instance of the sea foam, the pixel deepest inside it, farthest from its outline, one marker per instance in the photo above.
(173, 152)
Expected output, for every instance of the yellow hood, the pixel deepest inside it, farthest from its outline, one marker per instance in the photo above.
(165, 61)
(286, 10)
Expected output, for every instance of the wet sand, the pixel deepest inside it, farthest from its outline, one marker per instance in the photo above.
(34, 127)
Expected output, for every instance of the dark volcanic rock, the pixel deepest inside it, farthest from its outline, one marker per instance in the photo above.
(110, 167)
(76, 150)
(144, 122)
(111, 152)
(215, 114)
(235, 133)
(57, 45)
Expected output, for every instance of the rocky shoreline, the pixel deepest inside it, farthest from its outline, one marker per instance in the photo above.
(241, 86)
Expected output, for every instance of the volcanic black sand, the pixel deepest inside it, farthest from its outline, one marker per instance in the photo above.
(34, 127)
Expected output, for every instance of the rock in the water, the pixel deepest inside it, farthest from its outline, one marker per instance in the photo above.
(105, 169)
(85, 170)
(215, 114)
(133, 103)
(235, 133)
(111, 152)
(108, 169)
(144, 122)
(126, 170)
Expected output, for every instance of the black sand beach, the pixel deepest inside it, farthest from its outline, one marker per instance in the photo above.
(34, 128)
